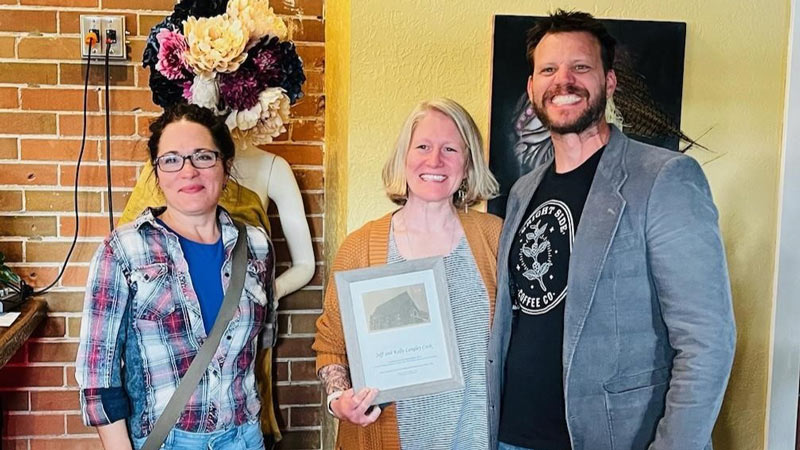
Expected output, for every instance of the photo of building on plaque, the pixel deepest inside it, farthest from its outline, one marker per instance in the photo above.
(396, 307)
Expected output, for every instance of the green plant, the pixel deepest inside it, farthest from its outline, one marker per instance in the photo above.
(7, 276)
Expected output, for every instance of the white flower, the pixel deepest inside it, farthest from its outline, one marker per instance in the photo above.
(257, 17)
(243, 120)
(264, 121)
(205, 92)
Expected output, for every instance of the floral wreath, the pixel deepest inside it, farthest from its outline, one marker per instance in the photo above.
(232, 57)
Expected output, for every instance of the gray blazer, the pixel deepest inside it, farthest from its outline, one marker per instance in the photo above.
(649, 333)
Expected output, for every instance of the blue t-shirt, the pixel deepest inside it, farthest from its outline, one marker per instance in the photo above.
(205, 268)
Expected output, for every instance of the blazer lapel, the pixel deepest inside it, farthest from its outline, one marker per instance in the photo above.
(516, 212)
(596, 229)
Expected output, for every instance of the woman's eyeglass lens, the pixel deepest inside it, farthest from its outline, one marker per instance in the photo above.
(201, 159)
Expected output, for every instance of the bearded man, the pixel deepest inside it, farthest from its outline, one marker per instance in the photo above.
(614, 327)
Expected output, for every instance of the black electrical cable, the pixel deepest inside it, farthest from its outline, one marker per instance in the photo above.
(77, 173)
(108, 143)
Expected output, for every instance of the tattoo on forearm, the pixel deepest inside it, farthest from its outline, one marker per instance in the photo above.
(335, 377)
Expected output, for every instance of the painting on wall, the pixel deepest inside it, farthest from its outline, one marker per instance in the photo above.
(649, 67)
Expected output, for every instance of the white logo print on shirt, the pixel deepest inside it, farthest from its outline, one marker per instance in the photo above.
(545, 240)
(537, 269)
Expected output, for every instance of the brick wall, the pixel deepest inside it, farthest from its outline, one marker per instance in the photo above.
(40, 124)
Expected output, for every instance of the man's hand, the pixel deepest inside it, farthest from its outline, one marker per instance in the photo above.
(355, 407)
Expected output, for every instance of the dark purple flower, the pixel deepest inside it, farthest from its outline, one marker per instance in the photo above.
(165, 91)
(200, 8)
(267, 67)
(277, 64)
(239, 90)
(292, 68)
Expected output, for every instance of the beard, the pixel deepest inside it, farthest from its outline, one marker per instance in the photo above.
(594, 112)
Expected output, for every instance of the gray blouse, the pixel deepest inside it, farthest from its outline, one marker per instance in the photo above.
(455, 419)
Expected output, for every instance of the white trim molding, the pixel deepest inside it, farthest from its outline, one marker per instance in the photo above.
(785, 342)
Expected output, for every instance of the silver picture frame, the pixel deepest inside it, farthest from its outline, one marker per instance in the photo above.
(398, 329)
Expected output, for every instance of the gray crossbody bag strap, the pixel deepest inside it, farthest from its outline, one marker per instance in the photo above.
(199, 365)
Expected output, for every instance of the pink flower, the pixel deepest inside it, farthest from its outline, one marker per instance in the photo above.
(172, 48)
(187, 91)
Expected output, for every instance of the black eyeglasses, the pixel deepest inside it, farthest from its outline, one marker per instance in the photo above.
(202, 158)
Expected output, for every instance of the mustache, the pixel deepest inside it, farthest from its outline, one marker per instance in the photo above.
(567, 89)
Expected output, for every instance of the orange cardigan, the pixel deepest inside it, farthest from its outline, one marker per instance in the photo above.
(369, 246)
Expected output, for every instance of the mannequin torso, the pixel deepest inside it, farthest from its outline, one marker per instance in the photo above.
(271, 177)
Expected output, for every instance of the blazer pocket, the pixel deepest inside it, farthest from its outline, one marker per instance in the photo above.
(627, 383)
(634, 405)
(626, 256)
(623, 242)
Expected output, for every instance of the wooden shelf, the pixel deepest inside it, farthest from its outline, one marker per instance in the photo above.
(31, 315)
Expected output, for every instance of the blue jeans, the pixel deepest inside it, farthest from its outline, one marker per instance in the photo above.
(244, 437)
(504, 446)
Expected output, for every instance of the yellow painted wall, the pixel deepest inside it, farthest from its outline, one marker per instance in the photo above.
(399, 53)
(337, 109)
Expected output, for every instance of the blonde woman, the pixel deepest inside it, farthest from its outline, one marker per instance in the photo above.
(436, 171)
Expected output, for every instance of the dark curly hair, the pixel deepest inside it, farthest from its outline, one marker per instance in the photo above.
(201, 116)
(562, 21)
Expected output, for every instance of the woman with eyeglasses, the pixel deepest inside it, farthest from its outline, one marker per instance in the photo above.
(155, 288)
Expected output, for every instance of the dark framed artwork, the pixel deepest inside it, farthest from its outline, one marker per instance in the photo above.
(649, 67)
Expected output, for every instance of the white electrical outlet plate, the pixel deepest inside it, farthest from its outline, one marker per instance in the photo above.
(104, 25)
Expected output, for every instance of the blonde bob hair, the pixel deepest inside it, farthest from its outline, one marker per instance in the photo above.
(479, 183)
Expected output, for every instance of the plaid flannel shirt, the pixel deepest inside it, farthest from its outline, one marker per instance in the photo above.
(142, 328)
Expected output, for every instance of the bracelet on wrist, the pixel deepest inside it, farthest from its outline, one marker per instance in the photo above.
(331, 398)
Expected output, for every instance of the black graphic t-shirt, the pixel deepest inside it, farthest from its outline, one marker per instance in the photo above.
(533, 413)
